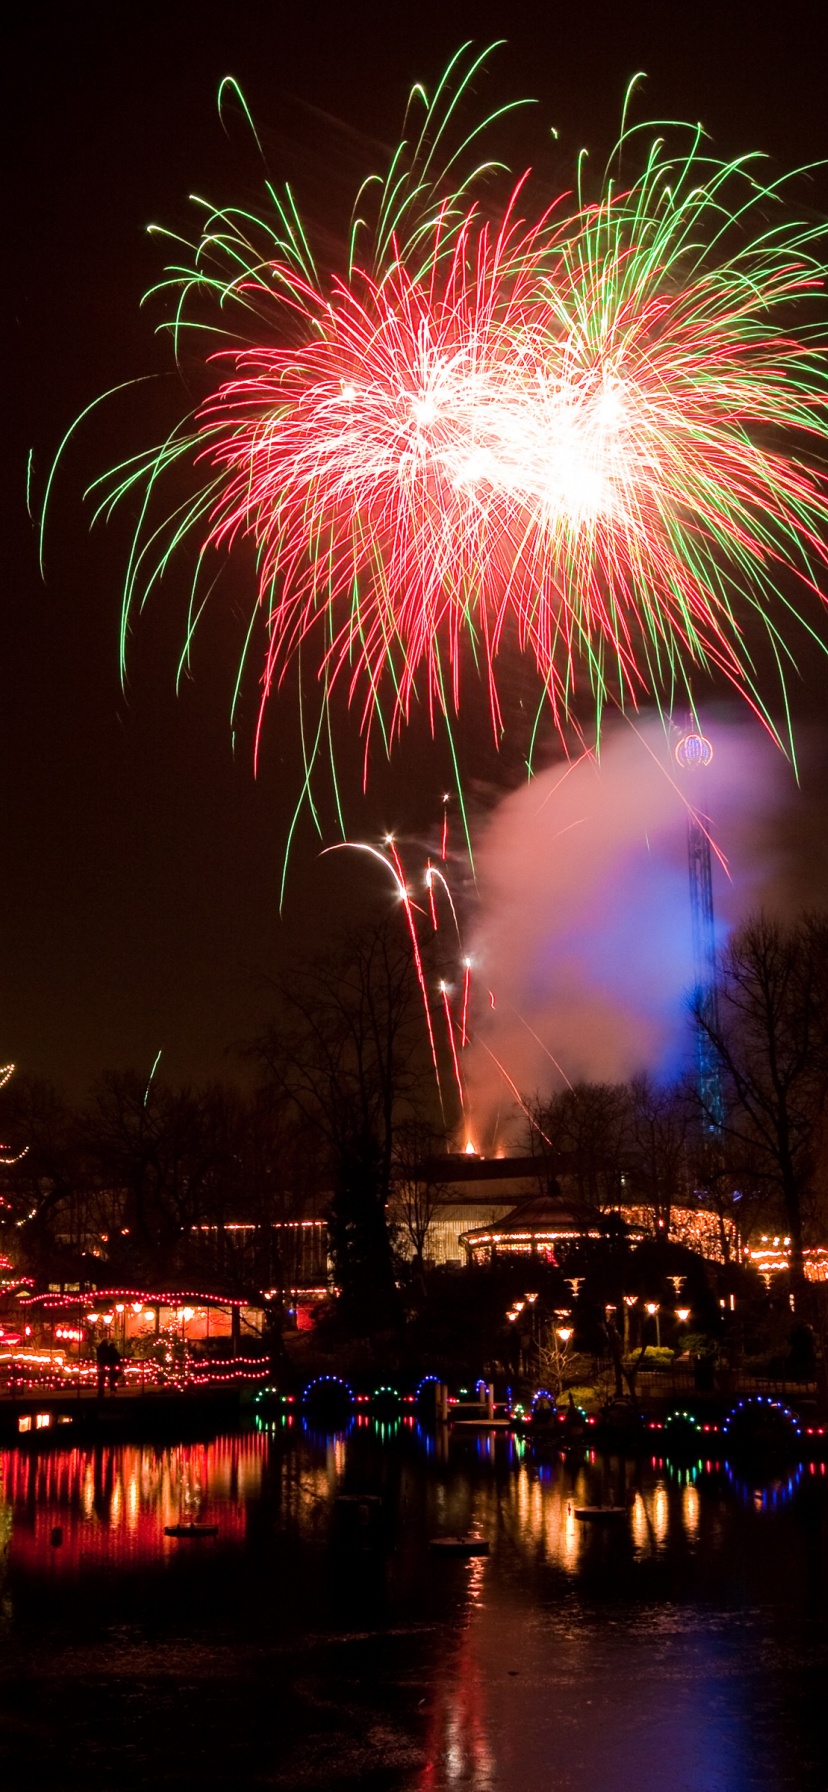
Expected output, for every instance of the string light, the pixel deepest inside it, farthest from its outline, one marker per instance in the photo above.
(168, 1298)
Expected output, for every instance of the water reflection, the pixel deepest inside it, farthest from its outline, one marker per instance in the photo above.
(766, 1493)
(459, 1748)
(506, 1672)
(690, 1510)
(77, 1509)
(111, 1504)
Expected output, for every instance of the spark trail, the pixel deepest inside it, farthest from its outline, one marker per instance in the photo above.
(391, 860)
(394, 865)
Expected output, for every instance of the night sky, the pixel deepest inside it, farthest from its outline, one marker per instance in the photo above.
(141, 859)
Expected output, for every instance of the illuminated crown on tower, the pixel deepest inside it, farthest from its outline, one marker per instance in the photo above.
(693, 750)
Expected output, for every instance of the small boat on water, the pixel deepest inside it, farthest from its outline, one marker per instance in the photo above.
(600, 1514)
(461, 1546)
(191, 1530)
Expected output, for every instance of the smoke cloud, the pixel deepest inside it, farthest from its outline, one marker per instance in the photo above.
(584, 931)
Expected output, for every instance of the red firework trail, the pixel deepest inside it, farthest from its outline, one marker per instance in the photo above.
(431, 873)
(430, 888)
(391, 859)
(543, 1046)
(412, 928)
(464, 1029)
(516, 1092)
(450, 1030)
(394, 865)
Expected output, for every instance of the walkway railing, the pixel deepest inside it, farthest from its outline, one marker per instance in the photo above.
(25, 1373)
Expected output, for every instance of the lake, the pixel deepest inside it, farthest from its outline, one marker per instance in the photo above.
(315, 1644)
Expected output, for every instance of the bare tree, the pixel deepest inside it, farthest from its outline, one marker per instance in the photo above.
(253, 1185)
(625, 1363)
(345, 1050)
(417, 1196)
(771, 1044)
(43, 1179)
(152, 1147)
(590, 1122)
(553, 1356)
(659, 1126)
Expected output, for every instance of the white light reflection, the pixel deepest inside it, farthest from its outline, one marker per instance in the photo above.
(523, 1494)
(569, 1537)
(661, 1514)
(640, 1525)
(690, 1510)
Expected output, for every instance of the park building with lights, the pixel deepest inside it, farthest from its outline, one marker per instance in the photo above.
(470, 1199)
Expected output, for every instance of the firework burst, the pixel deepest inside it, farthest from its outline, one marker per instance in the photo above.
(592, 432)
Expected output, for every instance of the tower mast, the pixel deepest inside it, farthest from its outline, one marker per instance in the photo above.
(694, 754)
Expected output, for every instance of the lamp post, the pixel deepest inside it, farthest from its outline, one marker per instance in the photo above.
(563, 1333)
(513, 1314)
(530, 1302)
(652, 1309)
(630, 1301)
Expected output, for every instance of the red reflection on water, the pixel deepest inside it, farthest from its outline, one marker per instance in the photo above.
(458, 1745)
(107, 1507)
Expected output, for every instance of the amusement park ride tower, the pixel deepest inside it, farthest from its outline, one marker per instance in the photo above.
(694, 754)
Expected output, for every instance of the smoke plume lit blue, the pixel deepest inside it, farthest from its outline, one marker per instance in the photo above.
(584, 931)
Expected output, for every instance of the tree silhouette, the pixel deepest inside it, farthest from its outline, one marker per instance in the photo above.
(771, 1044)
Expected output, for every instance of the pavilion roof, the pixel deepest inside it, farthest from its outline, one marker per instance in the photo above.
(543, 1215)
